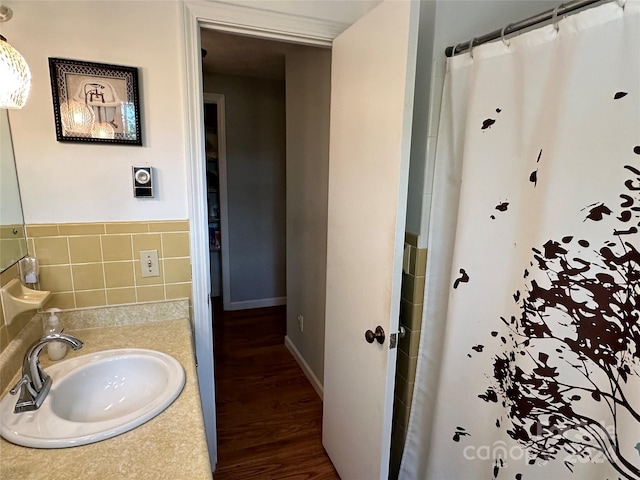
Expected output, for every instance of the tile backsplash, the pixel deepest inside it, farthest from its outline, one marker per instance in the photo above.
(98, 264)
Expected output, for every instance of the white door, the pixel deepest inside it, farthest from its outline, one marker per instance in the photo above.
(373, 72)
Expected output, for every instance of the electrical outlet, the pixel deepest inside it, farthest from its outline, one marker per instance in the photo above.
(301, 322)
(149, 263)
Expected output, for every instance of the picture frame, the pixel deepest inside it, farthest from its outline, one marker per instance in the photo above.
(95, 102)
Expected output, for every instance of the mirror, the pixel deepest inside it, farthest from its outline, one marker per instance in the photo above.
(13, 243)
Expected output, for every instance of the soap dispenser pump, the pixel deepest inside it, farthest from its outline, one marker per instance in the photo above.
(55, 350)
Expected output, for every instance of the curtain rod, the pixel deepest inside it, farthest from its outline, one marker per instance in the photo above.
(558, 12)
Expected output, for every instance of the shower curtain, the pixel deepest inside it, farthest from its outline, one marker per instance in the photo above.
(533, 276)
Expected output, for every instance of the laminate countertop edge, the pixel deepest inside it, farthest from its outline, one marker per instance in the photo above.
(172, 445)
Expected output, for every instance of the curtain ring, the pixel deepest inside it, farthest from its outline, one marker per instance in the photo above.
(455, 49)
(622, 3)
(471, 47)
(504, 40)
(554, 18)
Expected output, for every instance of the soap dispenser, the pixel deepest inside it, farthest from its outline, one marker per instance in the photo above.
(55, 350)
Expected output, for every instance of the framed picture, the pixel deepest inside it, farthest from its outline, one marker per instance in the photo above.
(95, 102)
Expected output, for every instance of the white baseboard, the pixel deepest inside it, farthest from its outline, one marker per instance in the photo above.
(305, 367)
(261, 303)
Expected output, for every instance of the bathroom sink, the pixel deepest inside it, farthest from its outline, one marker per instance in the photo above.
(95, 397)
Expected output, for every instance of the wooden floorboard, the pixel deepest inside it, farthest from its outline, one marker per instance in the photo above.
(269, 416)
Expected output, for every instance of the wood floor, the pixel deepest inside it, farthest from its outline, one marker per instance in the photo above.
(269, 415)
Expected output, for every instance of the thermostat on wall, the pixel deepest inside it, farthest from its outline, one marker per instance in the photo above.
(142, 182)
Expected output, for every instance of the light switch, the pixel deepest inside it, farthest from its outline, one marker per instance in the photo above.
(149, 263)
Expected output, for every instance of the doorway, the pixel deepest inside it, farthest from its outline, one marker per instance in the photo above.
(308, 29)
(248, 76)
(304, 124)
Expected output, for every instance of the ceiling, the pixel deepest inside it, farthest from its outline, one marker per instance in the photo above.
(231, 54)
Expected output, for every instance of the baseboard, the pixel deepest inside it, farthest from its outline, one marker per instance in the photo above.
(317, 385)
(263, 302)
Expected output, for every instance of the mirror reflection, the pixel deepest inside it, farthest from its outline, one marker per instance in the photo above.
(13, 243)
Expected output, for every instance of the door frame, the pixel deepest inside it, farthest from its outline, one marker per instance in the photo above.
(231, 19)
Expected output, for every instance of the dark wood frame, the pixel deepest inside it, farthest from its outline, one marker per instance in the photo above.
(61, 69)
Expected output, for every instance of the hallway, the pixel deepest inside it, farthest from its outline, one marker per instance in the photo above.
(269, 415)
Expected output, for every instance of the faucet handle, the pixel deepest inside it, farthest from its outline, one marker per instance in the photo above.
(23, 381)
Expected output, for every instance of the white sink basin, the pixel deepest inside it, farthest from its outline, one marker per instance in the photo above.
(95, 397)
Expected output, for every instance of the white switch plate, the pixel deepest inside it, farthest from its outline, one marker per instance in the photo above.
(149, 263)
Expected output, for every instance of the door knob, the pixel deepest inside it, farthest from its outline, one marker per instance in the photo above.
(378, 335)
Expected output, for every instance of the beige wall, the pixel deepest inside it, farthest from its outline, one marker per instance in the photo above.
(62, 182)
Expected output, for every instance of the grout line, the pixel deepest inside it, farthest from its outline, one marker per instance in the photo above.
(135, 278)
(161, 260)
(73, 284)
(104, 270)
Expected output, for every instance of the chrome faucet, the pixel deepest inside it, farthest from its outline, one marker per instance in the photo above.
(35, 384)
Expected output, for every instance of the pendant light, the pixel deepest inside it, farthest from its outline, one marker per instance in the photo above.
(15, 77)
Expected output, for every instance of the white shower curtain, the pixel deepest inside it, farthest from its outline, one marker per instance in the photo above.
(533, 277)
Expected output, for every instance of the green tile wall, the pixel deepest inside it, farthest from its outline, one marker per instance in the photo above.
(411, 319)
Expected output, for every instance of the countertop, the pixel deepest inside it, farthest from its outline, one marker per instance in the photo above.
(169, 446)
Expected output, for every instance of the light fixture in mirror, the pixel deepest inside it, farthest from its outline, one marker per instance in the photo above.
(15, 77)
(13, 243)
(76, 117)
(103, 130)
